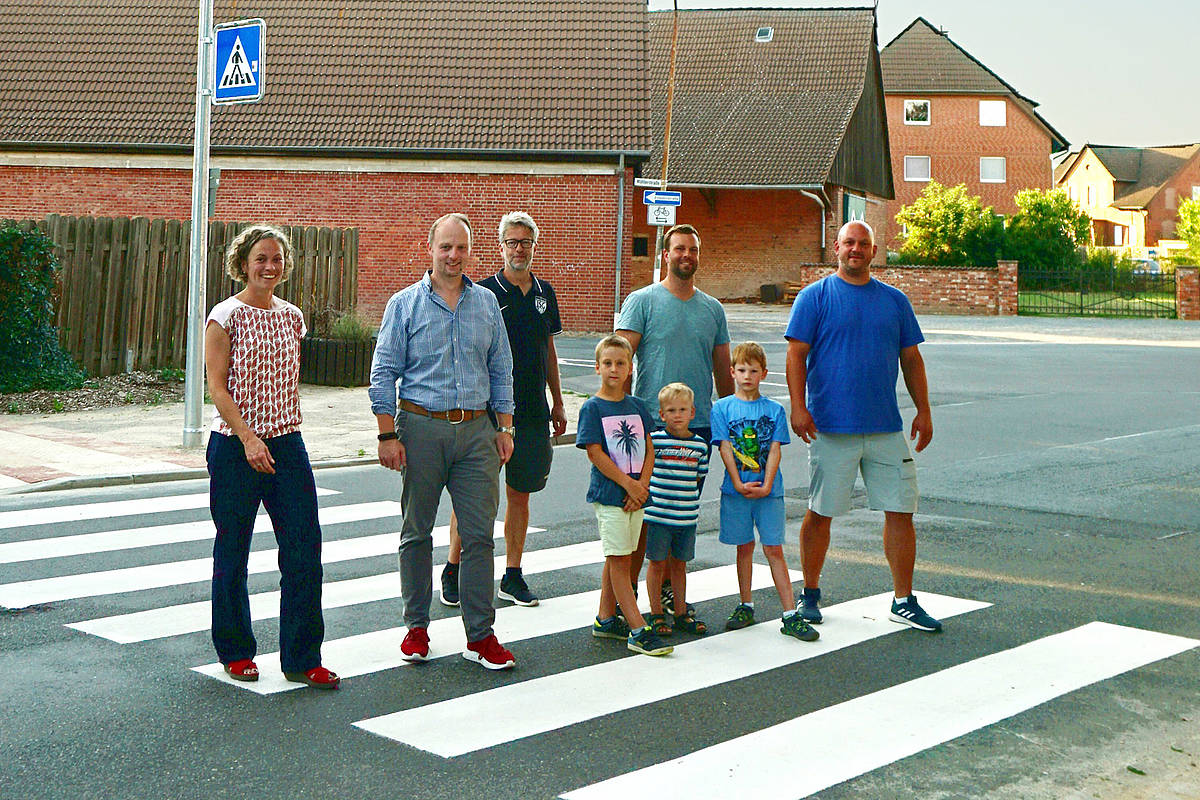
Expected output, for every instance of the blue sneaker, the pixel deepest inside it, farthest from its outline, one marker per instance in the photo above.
(612, 628)
(911, 614)
(809, 606)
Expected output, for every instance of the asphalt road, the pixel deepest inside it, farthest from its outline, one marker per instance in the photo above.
(1062, 489)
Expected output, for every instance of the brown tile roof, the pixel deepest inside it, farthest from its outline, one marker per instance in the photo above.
(923, 59)
(750, 113)
(1141, 172)
(540, 75)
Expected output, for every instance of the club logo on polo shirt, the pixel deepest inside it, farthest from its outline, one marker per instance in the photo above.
(539, 303)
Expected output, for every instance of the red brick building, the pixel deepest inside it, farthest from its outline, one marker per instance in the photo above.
(778, 135)
(953, 120)
(381, 115)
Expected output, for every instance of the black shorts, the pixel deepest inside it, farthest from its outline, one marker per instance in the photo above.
(529, 466)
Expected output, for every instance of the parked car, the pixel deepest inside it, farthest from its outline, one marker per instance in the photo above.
(1146, 266)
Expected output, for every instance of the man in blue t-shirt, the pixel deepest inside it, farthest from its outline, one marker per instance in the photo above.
(848, 337)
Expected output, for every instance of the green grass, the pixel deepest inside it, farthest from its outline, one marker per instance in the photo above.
(1098, 303)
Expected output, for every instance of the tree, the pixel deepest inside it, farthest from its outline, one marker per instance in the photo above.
(1187, 228)
(948, 226)
(30, 355)
(1047, 231)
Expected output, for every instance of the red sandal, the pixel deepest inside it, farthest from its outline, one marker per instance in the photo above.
(244, 669)
(317, 678)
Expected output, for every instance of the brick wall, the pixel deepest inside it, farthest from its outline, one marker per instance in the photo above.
(392, 210)
(954, 140)
(1187, 292)
(939, 290)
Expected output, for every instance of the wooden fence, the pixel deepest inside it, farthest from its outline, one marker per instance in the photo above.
(122, 303)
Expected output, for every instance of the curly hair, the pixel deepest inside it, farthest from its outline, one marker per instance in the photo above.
(239, 250)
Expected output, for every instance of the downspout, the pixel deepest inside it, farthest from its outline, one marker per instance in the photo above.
(620, 236)
(821, 202)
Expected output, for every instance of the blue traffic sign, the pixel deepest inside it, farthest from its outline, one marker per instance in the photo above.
(238, 62)
(657, 197)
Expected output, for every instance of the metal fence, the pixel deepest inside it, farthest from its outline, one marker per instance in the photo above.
(122, 300)
(1096, 292)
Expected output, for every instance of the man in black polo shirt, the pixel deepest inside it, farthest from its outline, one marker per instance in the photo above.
(530, 312)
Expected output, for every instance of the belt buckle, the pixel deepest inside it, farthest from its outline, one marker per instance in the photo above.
(462, 416)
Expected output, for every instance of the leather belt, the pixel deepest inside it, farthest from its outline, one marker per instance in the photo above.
(454, 416)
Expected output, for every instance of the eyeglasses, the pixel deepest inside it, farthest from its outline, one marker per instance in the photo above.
(513, 244)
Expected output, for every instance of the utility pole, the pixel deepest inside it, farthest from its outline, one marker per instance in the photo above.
(662, 184)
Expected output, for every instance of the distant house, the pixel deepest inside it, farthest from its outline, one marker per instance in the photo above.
(953, 120)
(378, 114)
(778, 135)
(1132, 194)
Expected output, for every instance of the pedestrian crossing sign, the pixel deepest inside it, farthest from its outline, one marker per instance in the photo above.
(238, 62)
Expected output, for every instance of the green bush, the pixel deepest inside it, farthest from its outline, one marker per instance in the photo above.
(350, 326)
(30, 355)
(1047, 231)
(948, 226)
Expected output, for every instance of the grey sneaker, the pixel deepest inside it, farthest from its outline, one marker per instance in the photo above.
(794, 625)
(911, 614)
(450, 585)
(514, 589)
(809, 606)
(647, 643)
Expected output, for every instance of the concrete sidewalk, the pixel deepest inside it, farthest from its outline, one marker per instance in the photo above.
(142, 443)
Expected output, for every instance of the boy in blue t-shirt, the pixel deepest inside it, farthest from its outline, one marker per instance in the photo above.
(613, 428)
(749, 430)
(680, 464)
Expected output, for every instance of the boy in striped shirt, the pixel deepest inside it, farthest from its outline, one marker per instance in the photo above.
(680, 464)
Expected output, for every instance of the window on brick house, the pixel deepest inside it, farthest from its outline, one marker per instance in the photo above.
(1196, 192)
(917, 168)
(993, 170)
(993, 113)
(916, 112)
(1118, 235)
(641, 246)
(1169, 197)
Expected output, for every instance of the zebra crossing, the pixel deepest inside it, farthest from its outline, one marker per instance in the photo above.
(936, 708)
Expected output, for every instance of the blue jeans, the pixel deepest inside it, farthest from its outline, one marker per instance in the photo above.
(290, 498)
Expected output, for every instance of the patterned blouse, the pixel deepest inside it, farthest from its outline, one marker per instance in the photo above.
(264, 365)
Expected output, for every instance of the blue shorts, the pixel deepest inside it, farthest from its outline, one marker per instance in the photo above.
(678, 540)
(741, 515)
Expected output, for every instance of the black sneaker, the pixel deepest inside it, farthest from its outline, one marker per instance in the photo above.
(742, 617)
(514, 589)
(794, 625)
(614, 628)
(450, 585)
(809, 606)
(647, 643)
(911, 614)
(668, 597)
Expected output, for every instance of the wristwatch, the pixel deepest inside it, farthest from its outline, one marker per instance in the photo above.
(509, 429)
(384, 437)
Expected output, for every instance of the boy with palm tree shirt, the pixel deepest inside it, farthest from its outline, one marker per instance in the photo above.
(614, 429)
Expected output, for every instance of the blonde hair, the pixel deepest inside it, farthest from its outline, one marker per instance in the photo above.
(239, 250)
(614, 340)
(674, 391)
(748, 353)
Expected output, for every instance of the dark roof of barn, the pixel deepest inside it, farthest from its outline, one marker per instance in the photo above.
(387, 75)
(757, 113)
(923, 59)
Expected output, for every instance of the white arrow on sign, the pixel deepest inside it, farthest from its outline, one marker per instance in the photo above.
(660, 198)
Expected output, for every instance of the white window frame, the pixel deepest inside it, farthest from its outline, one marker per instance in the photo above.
(928, 112)
(928, 170)
(1169, 198)
(988, 116)
(1196, 192)
(1003, 163)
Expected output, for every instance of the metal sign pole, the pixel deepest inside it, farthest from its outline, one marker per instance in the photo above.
(193, 387)
(662, 184)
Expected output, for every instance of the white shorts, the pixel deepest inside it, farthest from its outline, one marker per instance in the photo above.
(620, 530)
(888, 470)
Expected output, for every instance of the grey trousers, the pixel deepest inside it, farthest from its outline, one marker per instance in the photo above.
(462, 459)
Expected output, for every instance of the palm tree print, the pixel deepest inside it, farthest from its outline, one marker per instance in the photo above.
(625, 444)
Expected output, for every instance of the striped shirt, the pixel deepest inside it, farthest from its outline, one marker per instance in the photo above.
(679, 466)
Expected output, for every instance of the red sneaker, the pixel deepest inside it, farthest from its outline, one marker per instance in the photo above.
(415, 646)
(317, 678)
(489, 653)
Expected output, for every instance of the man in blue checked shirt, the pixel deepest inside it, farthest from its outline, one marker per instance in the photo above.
(442, 359)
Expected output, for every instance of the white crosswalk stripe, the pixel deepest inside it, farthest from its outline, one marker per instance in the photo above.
(931, 710)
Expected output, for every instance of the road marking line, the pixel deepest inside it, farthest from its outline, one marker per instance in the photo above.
(852, 738)
(556, 701)
(130, 538)
(1061, 338)
(380, 650)
(158, 623)
(115, 508)
(156, 576)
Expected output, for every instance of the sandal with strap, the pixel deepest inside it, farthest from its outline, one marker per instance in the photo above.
(244, 669)
(689, 624)
(317, 678)
(658, 623)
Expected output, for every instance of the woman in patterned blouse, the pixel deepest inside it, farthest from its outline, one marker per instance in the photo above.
(256, 455)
